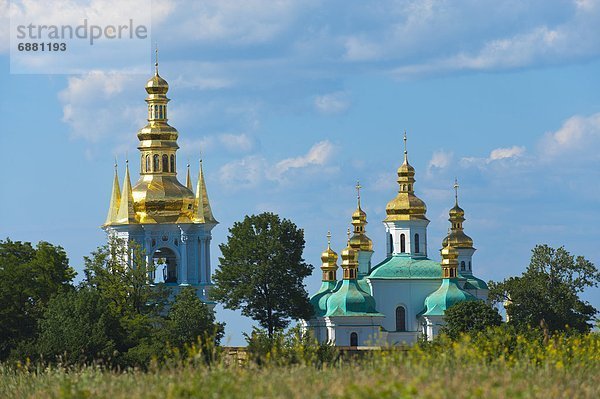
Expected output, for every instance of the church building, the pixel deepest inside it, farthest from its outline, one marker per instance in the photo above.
(170, 221)
(403, 297)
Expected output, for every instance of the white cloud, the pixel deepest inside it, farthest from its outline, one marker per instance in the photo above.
(233, 22)
(576, 133)
(332, 103)
(318, 154)
(250, 171)
(504, 153)
(235, 143)
(243, 173)
(439, 160)
(95, 106)
(498, 154)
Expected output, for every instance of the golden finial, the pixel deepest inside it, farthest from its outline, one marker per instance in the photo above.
(358, 187)
(456, 190)
(405, 148)
(328, 239)
(116, 163)
(156, 59)
(348, 234)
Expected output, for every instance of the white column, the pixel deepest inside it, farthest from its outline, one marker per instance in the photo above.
(183, 280)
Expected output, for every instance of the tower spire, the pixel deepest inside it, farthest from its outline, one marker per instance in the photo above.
(156, 60)
(115, 199)
(126, 214)
(203, 213)
(405, 149)
(456, 191)
(188, 179)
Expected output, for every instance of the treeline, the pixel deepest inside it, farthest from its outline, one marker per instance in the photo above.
(114, 316)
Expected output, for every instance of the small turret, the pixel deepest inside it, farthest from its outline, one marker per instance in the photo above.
(115, 199)
(126, 214)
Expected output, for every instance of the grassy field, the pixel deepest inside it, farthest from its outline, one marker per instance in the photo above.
(484, 368)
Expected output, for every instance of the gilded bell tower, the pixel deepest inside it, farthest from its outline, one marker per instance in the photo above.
(359, 240)
(166, 218)
(406, 223)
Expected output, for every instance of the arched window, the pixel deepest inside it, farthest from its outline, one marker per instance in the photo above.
(165, 162)
(462, 265)
(470, 265)
(147, 163)
(402, 243)
(400, 318)
(172, 164)
(155, 111)
(353, 339)
(160, 112)
(155, 163)
(417, 249)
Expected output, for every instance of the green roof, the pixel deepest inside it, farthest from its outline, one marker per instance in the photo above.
(447, 295)
(363, 284)
(406, 267)
(350, 300)
(474, 283)
(319, 300)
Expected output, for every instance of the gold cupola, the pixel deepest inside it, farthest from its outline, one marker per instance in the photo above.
(350, 261)
(406, 205)
(449, 261)
(359, 241)
(329, 259)
(456, 236)
(158, 197)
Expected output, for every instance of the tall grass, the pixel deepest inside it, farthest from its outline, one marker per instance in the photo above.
(490, 365)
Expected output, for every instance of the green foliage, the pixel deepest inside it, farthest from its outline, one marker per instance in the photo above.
(28, 278)
(496, 363)
(547, 293)
(469, 317)
(262, 271)
(78, 327)
(293, 347)
(189, 319)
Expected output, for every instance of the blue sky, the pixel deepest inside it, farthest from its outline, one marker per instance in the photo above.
(290, 102)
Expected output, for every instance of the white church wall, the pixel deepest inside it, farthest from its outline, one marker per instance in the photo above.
(389, 294)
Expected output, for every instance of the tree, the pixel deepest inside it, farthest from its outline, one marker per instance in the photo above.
(262, 271)
(547, 293)
(190, 318)
(29, 277)
(79, 327)
(121, 276)
(468, 317)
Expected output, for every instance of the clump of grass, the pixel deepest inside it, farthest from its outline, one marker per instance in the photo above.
(491, 364)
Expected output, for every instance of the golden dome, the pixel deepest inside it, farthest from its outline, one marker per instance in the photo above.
(406, 205)
(162, 199)
(329, 257)
(458, 239)
(449, 253)
(158, 197)
(157, 85)
(359, 241)
(456, 236)
(349, 255)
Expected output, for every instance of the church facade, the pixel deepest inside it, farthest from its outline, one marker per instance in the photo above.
(403, 297)
(169, 221)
